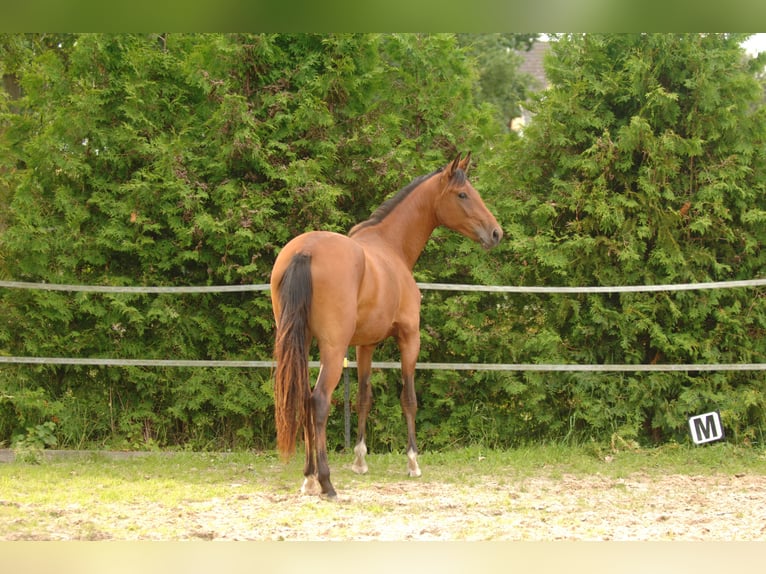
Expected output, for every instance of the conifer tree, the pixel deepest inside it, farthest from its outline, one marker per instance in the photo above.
(190, 159)
(646, 164)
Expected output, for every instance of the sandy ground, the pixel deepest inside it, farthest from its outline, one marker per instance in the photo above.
(569, 508)
(637, 507)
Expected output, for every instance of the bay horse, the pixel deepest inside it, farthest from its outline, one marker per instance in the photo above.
(358, 289)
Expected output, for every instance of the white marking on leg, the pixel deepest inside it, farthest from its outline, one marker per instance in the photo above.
(412, 464)
(311, 485)
(360, 465)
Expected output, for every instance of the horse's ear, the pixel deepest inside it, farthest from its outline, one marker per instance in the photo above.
(465, 162)
(452, 167)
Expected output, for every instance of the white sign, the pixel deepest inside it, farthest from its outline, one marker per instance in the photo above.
(706, 428)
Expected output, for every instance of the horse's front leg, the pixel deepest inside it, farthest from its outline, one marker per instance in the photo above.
(363, 404)
(409, 348)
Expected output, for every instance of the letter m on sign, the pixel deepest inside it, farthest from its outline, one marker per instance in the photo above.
(706, 428)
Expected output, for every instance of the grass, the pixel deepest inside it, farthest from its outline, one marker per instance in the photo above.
(171, 476)
(555, 460)
(94, 496)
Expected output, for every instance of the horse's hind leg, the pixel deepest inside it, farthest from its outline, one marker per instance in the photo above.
(329, 375)
(311, 482)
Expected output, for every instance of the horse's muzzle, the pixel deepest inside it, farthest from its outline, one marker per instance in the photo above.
(489, 238)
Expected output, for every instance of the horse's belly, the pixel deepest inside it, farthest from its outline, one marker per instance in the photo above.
(372, 330)
(386, 303)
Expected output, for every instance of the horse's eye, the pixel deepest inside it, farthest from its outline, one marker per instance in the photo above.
(462, 195)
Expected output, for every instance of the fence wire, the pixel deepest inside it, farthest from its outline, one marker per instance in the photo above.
(426, 286)
(115, 362)
(112, 362)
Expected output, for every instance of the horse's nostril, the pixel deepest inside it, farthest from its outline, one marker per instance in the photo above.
(497, 235)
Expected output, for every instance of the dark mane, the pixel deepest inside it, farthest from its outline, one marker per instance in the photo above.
(388, 206)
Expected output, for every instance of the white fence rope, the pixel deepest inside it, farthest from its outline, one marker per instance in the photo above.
(112, 289)
(389, 365)
(426, 286)
(598, 289)
(383, 364)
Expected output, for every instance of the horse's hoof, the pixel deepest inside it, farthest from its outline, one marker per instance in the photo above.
(412, 464)
(311, 486)
(360, 465)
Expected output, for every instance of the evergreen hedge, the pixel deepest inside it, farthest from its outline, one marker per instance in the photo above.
(190, 159)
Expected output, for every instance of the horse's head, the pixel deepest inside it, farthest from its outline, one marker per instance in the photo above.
(461, 208)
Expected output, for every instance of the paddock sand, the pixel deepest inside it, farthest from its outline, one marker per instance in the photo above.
(721, 508)
(638, 507)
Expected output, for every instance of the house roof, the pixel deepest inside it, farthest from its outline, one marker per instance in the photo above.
(533, 63)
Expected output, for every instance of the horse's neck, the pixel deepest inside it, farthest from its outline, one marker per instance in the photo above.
(408, 227)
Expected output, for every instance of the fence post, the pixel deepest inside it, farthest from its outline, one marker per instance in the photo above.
(346, 404)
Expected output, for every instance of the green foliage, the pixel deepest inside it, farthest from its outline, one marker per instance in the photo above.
(190, 159)
(500, 83)
(28, 447)
(644, 165)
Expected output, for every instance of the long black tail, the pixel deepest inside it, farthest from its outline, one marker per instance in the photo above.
(292, 388)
